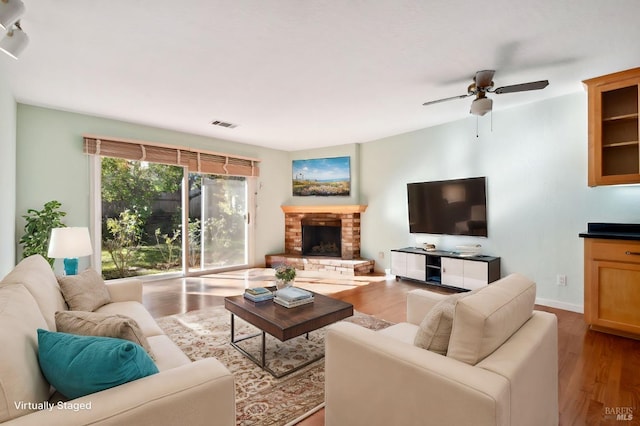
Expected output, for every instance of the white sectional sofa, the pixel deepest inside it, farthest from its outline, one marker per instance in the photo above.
(500, 366)
(183, 392)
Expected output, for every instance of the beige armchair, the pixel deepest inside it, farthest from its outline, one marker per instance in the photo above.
(500, 367)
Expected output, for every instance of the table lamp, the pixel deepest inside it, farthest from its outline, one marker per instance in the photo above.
(69, 243)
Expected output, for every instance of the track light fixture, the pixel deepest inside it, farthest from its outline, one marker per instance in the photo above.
(15, 40)
(10, 12)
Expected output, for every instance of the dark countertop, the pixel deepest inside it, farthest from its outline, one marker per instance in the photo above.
(612, 231)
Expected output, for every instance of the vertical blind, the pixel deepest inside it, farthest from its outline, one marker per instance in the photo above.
(195, 160)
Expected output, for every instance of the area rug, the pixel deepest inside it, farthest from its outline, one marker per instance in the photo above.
(261, 399)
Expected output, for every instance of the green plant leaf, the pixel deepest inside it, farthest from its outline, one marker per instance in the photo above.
(38, 229)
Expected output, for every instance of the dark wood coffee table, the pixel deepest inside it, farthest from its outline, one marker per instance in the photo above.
(284, 323)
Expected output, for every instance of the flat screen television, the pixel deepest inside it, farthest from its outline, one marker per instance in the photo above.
(452, 207)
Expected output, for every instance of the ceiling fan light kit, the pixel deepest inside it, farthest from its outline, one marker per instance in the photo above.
(483, 84)
(481, 106)
(15, 40)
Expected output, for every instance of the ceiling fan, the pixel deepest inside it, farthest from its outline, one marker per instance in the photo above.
(483, 84)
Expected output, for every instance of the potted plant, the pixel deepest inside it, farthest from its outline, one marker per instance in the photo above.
(285, 274)
(38, 229)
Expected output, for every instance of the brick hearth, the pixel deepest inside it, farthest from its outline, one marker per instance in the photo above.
(323, 264)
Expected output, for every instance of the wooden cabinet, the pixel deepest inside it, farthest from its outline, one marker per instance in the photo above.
(614, 154)
(612, 285)
(445, 268)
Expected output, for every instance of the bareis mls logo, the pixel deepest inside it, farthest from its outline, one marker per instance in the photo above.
(618, 413)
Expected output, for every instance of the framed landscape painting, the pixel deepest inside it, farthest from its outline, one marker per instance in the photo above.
(325, 177)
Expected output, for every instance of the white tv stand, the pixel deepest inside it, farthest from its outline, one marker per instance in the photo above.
(445, 268)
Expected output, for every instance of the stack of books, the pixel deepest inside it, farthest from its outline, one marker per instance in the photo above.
(293, 296)
(258, 294)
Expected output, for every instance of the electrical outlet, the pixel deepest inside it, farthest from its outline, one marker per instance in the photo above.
(561, 280)
(381, 255)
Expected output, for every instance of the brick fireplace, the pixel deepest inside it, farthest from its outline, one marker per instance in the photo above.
(347, 217)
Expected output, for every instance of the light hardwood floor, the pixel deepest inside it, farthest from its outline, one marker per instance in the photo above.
(598, 373)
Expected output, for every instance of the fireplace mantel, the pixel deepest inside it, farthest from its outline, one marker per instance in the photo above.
(337, 209)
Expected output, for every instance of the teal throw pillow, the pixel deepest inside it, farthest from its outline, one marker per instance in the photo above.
(79, 365)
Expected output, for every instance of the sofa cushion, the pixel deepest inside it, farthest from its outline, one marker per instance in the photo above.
(85, 291)
(138, 312)
(168, 355)
(20, 376)
(483, 321)
(81, 365)
(100, 324)
(36, 275)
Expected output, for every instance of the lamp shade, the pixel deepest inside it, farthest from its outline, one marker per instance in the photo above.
(14, 42)
(10, 12)
(69, 242)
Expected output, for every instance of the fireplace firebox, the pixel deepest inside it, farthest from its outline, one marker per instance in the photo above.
(322, 240)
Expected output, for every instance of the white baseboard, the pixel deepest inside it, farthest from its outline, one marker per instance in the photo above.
(560, 305)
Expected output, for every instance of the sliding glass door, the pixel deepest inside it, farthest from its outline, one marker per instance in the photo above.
(153, 218)
(140, 218)
(218, 222)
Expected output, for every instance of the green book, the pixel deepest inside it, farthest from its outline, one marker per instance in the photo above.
(257, 291)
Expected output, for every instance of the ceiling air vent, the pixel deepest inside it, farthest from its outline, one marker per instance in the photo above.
(224, 124)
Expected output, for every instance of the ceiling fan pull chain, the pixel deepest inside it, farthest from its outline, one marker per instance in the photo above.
(476, 126)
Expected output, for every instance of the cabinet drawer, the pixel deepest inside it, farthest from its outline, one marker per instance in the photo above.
(616, 250)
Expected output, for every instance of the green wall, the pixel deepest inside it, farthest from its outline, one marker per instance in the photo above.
(535, 161)
(534, 157)
(51, 165)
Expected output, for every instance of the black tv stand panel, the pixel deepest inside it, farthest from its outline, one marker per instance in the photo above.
(445, 268)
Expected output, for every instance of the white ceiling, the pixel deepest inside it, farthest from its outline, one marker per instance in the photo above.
(298, 74)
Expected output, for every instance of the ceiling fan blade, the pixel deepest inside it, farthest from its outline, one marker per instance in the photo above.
(484, 78)
(447, 99)
(523, 87)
